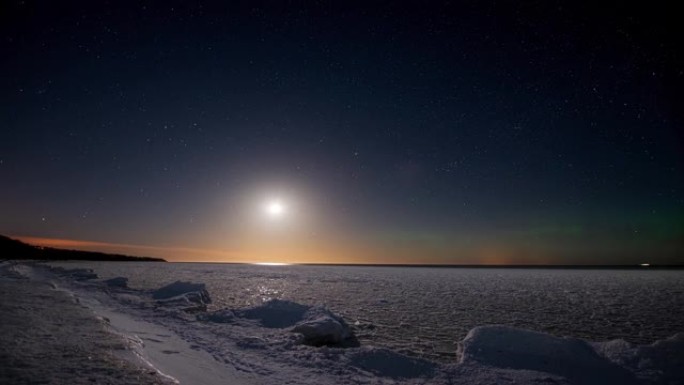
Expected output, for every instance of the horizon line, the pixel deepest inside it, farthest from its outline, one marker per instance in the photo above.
(60, 243)
(455, 265)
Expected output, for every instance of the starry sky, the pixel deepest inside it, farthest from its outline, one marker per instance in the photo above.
(493, 132)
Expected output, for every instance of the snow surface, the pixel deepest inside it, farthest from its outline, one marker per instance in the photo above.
(425, 312)
(117, 282)
(169, 355)
(47, 337)
(260, 344)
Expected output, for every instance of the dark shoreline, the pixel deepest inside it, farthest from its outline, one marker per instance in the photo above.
(13, 249)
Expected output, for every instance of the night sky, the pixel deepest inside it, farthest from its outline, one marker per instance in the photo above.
(427, 132)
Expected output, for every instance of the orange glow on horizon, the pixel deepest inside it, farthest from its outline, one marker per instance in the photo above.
(330, 251)
(333, 253)
(170, 253)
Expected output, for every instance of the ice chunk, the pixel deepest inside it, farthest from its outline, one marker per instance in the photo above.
(275, 313)
(659, 363)
(317, 325)
(17, 271)
(323, 329)
(180, 288)
(574, 359)
(189, 296)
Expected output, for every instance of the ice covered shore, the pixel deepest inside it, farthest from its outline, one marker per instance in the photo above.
(47, 337)
(286, 342)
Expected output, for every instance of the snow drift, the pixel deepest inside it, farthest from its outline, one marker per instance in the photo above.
(571, 358)
(317, 325)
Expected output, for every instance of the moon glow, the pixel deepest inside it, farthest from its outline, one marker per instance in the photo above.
(274, 209)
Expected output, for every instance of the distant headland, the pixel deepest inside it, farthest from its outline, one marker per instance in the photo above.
(14, 249)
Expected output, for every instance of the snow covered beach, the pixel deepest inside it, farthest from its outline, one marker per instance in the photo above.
(49, 338)
(185, 333)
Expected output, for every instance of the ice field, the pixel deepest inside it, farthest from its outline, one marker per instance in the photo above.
(254, 324)
(426, 311)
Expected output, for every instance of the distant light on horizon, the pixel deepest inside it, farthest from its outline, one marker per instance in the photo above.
(271, 263)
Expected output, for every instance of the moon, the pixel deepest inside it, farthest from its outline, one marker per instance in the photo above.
(274, 209)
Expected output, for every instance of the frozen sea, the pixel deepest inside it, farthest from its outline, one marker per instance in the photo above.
(425, 311)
